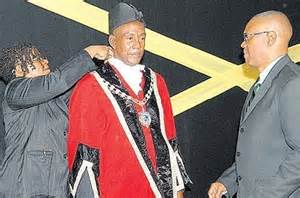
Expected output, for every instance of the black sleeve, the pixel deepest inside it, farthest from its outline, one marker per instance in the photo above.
(83, 177)
(27, 92)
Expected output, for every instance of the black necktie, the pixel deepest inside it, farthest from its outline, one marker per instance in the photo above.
(254, 91)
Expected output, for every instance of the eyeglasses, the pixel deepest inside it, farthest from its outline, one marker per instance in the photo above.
(248, 36)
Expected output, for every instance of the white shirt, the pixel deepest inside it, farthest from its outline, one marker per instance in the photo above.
(263, 75)
(132, 74)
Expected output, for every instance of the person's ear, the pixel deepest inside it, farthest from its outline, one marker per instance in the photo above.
(112, 41)
(272, 37)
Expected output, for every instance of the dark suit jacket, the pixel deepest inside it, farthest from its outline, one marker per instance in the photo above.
(267, 162)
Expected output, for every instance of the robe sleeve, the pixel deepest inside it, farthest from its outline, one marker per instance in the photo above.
(171, 131)
(85, 122)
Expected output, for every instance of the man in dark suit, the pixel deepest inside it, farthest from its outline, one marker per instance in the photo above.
(267, 162)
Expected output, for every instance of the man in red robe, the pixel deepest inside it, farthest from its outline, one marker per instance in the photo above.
(122, 137)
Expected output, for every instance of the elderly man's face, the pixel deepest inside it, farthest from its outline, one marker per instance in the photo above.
(255, 43)
(128, 42)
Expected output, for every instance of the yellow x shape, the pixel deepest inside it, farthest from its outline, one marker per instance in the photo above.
(224, 75)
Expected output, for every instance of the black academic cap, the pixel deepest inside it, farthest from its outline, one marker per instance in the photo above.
(123, 13)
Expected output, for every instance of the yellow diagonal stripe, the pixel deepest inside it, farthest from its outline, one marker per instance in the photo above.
(78, 11)
(213, 87)
(224, 75)
(294, 53)
(197, 60)
(198, 94)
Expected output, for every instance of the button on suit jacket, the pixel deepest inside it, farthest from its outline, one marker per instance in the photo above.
(268, 146)
(35, 114)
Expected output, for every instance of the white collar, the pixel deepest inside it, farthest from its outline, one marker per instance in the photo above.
(263, 75)
(132, 74)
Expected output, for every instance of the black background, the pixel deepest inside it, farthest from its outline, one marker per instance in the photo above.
(207, 133)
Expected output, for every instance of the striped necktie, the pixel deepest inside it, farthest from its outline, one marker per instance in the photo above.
(256, 88)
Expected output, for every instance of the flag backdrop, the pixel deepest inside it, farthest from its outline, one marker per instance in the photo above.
(194, 44)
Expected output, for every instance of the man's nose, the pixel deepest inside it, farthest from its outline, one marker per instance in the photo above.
(137, 43)
(243, 44)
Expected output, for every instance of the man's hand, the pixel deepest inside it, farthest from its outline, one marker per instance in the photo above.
(216, 190)
(101, 52)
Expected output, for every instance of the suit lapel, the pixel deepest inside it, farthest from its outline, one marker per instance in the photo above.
(246, 103)
(264, 88)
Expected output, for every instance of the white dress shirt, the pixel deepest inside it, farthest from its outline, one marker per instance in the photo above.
(131, 74)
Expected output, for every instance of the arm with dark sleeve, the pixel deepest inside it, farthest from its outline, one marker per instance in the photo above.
(228, 179)
(86, 121)
(287, 178)
(171, 129)
(27, 92)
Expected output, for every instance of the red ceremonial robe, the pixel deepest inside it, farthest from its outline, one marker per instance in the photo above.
(119, 170)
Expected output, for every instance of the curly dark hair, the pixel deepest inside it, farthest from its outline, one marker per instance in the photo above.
(21, 54)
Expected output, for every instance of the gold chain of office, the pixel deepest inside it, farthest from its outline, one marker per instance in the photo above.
(123, 95)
